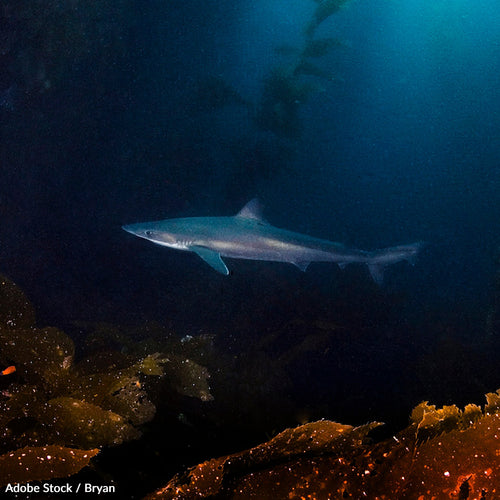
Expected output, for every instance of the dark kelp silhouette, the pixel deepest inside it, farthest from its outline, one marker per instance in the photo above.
(320, 47)
(288, 85)
(324, 10)
(214, 92)
(283, 93)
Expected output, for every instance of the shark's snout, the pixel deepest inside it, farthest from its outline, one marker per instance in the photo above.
(152, 233)
(130, 229)
(137, 230)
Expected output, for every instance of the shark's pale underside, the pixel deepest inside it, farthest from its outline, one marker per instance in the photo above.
(247, 235)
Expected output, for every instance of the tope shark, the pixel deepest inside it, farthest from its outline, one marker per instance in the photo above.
(247, 235)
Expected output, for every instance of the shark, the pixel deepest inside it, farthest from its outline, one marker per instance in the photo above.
(247, 235)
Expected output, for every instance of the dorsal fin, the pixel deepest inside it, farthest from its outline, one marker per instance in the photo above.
(252, 210)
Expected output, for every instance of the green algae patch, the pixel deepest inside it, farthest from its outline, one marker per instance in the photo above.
(42, 463)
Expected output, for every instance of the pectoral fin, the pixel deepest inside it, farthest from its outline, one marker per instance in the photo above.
(212, 258)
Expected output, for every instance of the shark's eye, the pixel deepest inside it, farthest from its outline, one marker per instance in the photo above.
(149, 233)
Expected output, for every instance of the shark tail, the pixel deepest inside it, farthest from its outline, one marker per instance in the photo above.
(380, 259)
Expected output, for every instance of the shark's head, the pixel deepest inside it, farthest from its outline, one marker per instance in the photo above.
(163, 233)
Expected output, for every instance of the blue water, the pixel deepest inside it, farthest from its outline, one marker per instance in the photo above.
(401, 147)
(399, 144)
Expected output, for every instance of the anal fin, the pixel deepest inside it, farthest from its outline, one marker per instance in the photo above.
(377, 272)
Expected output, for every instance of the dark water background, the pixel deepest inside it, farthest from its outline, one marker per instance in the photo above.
(401, 144)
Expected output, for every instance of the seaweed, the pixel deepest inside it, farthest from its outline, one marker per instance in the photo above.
(323, 11)
(443, 453)
(53, 407)
(41, 463)
(83, 424)
(58, 405)
(282, 94)
(309, 69)
(284, 89)
(41, 356)
(175, 359)
(188, 377)
(320, 47)
(214, 476)
(213, 92)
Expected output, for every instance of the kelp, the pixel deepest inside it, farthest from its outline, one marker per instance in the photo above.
(101, 409)
(188, 377)
(323, 11)
(53, 407)
(307, 68)
(40, 417)
(41, 356)
(320, 47)
(42, 463)
(286, 50)
(210, 478)
(78, 423)
(213, 92)
(284, 89)
(282, 94)
(174, 359)
(431, 421)
(443, 453)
